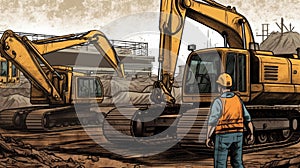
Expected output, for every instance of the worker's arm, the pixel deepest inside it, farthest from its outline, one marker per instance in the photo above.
(250, 128)
(210, 131)
(209, 143)
(249, 124)
(215, 114)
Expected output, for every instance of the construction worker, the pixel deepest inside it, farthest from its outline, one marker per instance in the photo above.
(228, 115)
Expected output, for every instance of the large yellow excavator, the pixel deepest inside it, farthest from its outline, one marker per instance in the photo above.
(268, 84)
(54, 89)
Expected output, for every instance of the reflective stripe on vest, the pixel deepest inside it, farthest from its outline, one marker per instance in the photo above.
(232, 119)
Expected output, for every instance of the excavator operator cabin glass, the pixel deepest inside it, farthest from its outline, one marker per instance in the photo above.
(236, 68)
(204, 68)
(14, 71)
(3, 68)
(89, 88)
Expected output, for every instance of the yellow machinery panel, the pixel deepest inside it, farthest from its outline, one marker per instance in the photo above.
(275, 70)
(295, 71)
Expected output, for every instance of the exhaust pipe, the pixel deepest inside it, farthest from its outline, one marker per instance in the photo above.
(242, 23)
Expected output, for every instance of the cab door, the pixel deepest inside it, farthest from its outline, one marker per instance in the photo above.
(237, 66)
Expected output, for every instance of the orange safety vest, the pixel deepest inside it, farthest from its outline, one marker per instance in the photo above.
(232, 118)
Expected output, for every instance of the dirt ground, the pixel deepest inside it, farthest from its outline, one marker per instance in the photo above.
(74, 148)
(15, 153)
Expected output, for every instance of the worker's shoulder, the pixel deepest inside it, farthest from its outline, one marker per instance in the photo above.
(217, 100)
(228, 95)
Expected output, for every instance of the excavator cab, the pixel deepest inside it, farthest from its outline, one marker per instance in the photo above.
(203, 68)
(88, 89)
(73, 87)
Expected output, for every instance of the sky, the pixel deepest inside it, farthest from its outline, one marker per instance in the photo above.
(135, 19)
(65, 16)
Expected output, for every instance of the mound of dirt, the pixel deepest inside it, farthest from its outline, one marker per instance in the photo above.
(279, 43)
(18, 155)
(15, 95)
(135, 90)
(14, 101)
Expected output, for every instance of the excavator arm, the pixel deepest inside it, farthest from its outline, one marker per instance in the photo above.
(95, 37)
(27, 56)
(225, 20)
(233, 26)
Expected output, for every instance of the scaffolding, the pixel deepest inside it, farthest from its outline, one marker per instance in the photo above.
(265, 29)
(265, 32)
(130, 47)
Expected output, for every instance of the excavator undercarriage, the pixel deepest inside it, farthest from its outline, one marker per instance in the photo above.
(188, 126)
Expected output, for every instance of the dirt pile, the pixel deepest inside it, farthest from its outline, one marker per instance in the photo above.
(282, 43)
(13, 96)
(288, 162)
(17, 154)
(14, 101)
(132, 90)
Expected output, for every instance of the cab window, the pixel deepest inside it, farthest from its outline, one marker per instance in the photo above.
(236, 68)
(14, 71)
(3, 68)
(203, 71)
(89, 88)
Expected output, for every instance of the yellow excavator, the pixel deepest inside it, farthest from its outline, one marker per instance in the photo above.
(268, 84)
(55, 89)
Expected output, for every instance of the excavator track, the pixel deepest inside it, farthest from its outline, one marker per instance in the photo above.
(8, 118)
(38, 120)
(47, 118)
(121, 126)
(11, 118)
(191, 135)
(193, 138)
(117, 126)
(191, 128)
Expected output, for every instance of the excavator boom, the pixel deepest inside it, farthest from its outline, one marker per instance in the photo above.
(15, 50)
(95, 37)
